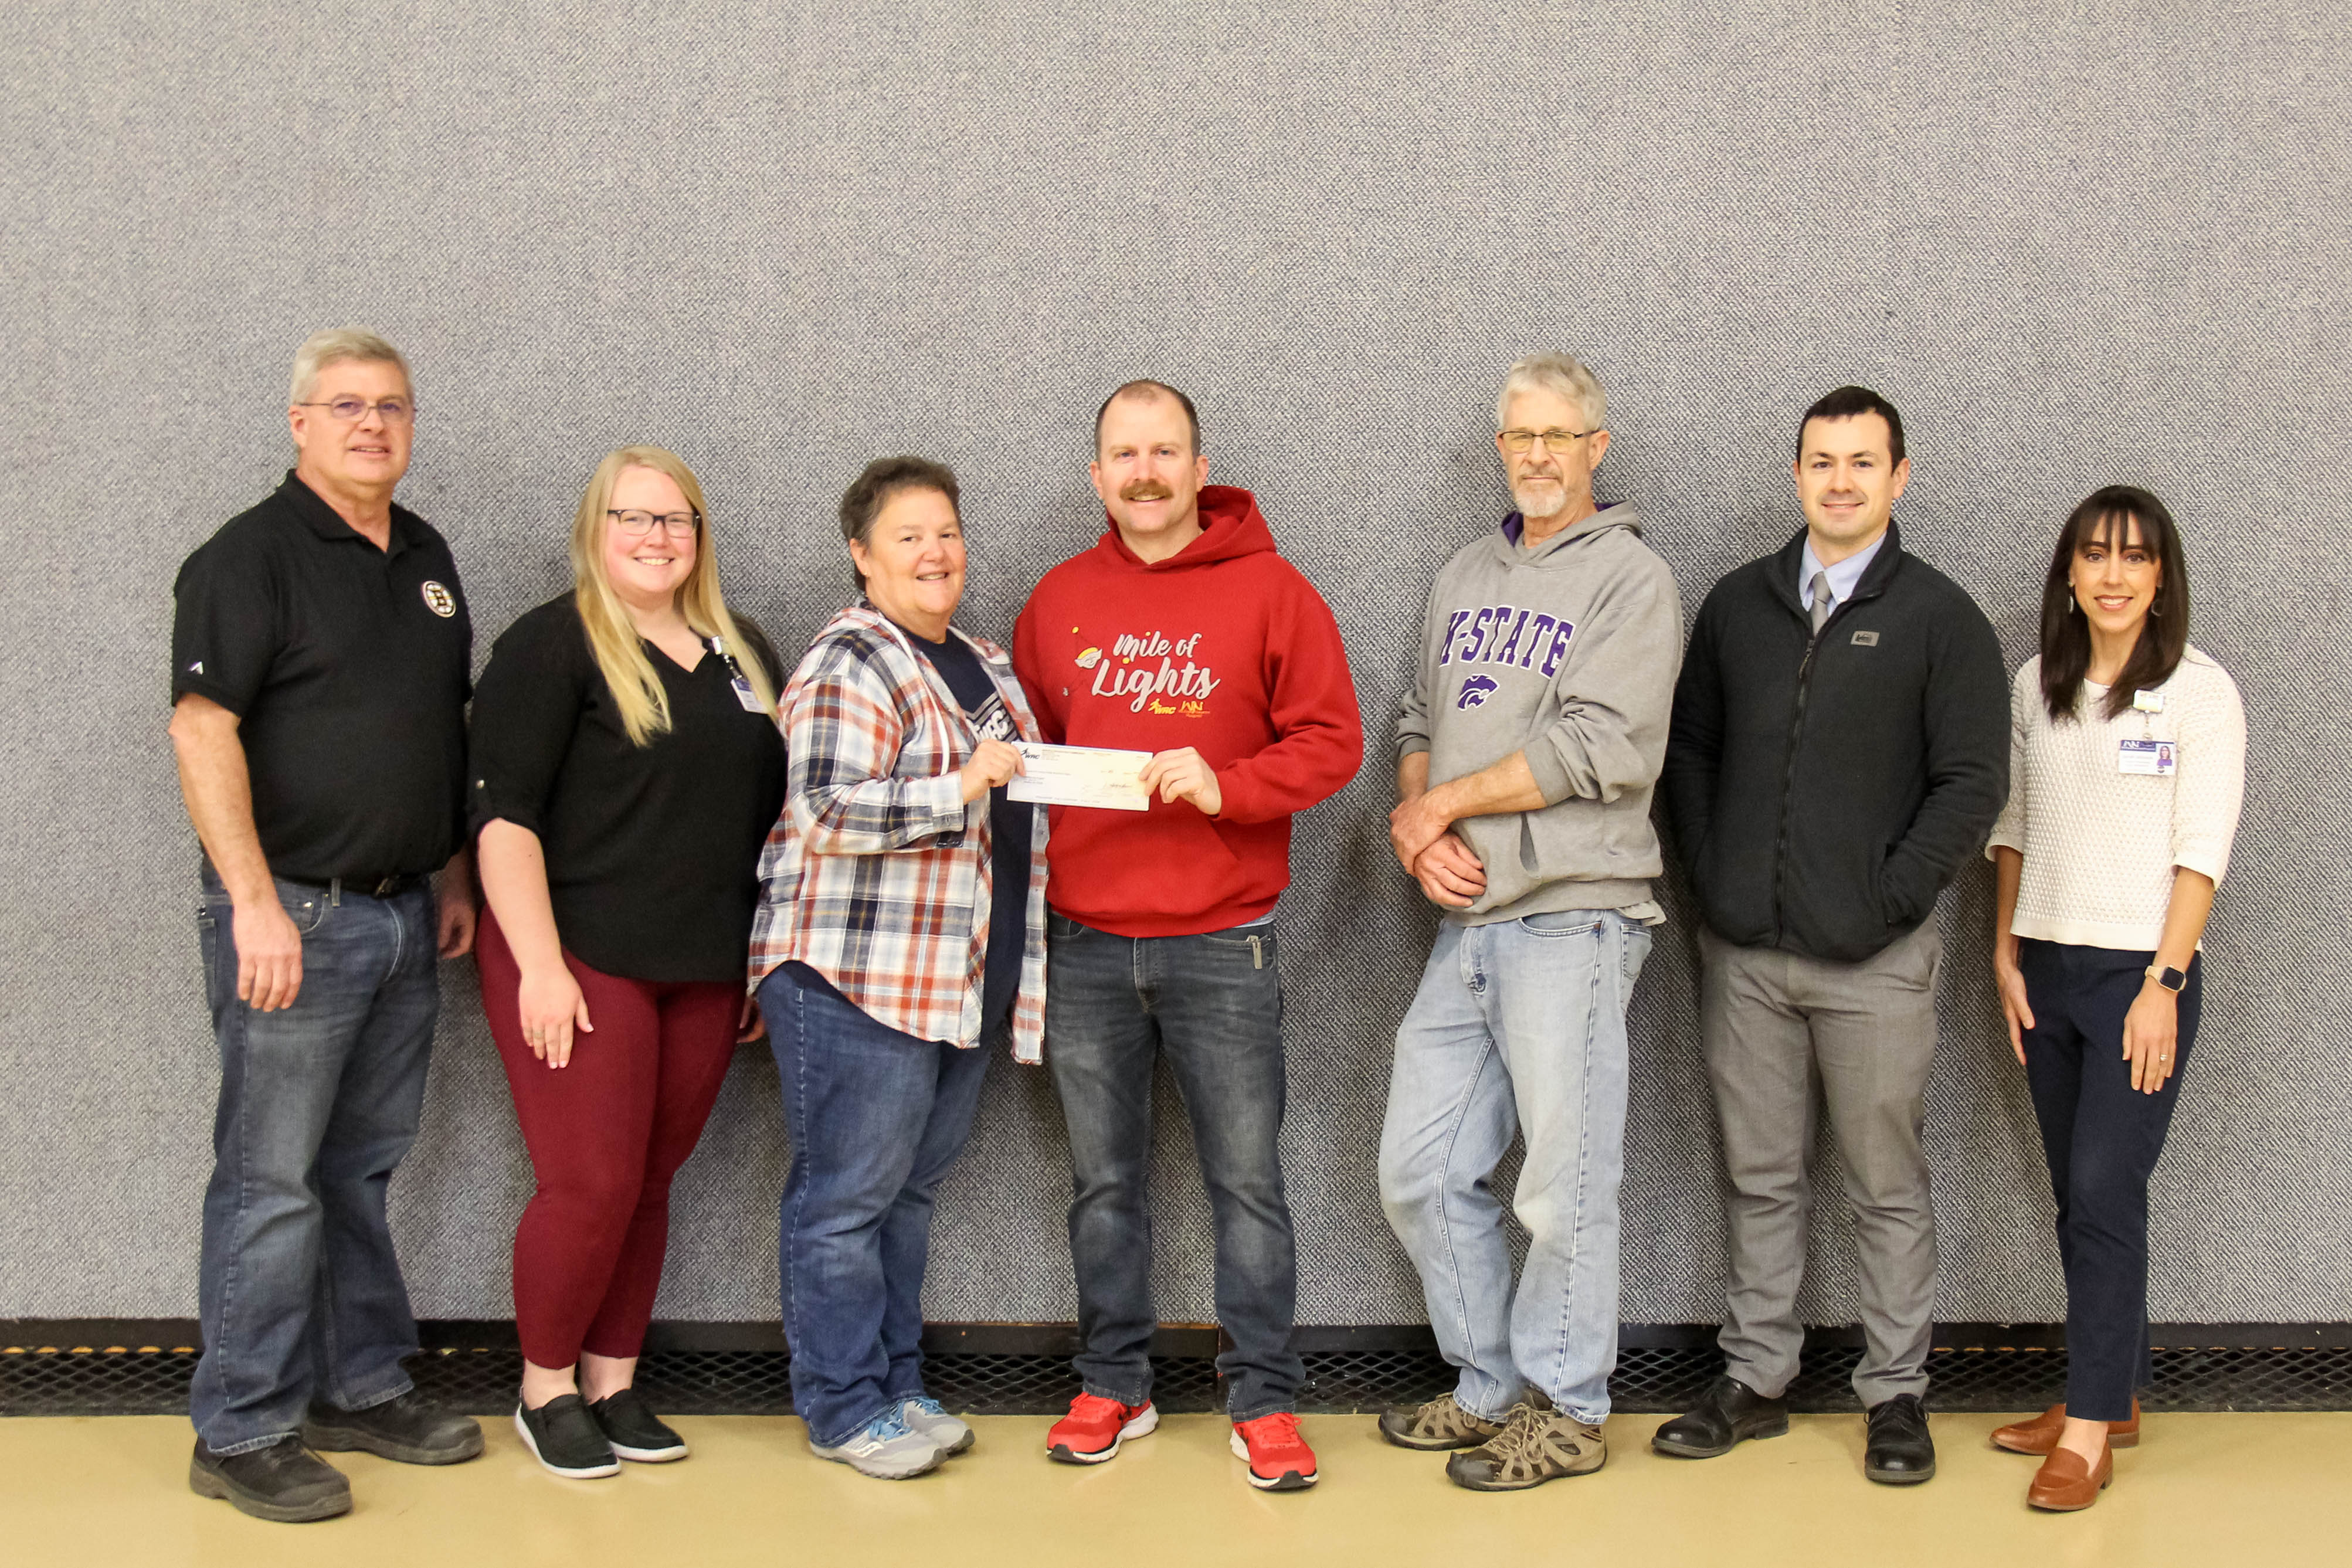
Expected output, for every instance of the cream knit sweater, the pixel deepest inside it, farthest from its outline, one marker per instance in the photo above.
(2100, 845)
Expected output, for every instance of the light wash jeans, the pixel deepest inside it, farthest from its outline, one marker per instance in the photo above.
(1519, 1026)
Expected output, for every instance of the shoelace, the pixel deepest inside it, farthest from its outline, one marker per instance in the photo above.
(1521, 1435)
(1280, 1427)
(930, 1406)
(891, 1423)
(1444, 1412)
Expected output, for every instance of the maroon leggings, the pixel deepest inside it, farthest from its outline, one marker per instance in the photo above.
(606, 1134)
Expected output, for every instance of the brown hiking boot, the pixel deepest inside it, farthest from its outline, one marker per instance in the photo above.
(1440, 1424)
(1534, 1447)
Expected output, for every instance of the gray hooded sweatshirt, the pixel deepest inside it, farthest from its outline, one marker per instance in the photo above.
(1568, 652)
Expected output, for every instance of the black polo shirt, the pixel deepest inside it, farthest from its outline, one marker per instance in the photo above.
(348, 667)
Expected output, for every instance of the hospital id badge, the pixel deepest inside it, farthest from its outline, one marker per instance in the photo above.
(2151, 759)
(745, 698)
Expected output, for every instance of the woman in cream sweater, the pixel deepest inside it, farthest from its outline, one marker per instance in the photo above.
(2128, 762)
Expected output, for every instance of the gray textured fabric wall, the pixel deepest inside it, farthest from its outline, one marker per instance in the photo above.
(2097, 242)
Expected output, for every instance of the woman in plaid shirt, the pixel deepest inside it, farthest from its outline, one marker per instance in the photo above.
(901, 926)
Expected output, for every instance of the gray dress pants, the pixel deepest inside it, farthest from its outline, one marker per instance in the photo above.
(1774, 1024)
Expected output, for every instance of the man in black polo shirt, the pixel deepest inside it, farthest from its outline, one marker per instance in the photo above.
(321, 657)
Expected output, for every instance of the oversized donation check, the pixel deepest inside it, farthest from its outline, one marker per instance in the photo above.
(1080, 775)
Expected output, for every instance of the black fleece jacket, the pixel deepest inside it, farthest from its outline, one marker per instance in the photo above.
(1822, 790)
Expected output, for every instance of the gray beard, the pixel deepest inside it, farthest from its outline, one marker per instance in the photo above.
(1557, 500)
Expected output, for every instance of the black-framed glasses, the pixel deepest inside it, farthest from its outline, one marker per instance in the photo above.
(1518, 441)
(636, 524)
(396, 410)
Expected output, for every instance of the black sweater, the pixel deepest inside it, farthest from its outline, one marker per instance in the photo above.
(1821, 792)
(652, 851)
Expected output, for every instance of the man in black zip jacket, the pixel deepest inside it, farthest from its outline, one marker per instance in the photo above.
(1840, 748)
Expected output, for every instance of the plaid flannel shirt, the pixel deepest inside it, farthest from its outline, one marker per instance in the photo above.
(878, 874)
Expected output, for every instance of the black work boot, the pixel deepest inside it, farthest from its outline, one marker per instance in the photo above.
(283, 1482)
(403, 1427)
(1900, 1454)
(1726, 1415)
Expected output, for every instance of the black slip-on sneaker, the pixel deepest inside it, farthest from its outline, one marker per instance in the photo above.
(634, 1431)
(283, 1482)
(562, 1437)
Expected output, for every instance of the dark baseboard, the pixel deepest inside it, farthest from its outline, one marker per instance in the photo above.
(19, 1335)
(94, 1366)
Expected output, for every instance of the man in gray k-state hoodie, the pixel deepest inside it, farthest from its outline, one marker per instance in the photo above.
(1527, 747)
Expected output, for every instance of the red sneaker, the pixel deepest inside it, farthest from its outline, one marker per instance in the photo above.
(1279, 1459)
(1095, 1427)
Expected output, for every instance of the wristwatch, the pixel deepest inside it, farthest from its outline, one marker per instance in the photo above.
(2170, 979)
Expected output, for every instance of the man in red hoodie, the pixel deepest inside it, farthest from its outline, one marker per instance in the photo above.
(1183, 634)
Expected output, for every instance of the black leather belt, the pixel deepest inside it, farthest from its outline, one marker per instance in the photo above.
(374, 887)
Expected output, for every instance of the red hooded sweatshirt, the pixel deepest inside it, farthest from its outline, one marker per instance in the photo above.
(1224, 648)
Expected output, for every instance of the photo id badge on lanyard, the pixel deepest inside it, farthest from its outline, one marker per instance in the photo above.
(2155, 759)
(745, 697)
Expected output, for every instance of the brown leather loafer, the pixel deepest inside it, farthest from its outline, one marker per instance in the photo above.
(2066, 1484)
(2039, 1435)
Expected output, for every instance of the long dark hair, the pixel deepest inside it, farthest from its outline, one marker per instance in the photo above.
(2109, 513)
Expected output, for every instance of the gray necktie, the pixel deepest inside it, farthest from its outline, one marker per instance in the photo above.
(1822, 603)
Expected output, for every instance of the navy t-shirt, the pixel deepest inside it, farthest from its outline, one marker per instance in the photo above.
(1010, 827)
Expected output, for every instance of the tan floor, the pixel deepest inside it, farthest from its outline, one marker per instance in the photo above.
(2215, 1490)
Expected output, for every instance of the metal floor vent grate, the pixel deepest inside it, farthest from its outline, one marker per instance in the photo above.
(96, 1381)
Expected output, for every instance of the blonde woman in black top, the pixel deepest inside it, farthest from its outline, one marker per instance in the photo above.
(626, 767)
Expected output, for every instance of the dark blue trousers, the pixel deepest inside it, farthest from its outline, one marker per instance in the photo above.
(2103, 1139)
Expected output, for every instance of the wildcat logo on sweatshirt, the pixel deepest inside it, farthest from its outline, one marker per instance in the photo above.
(1126, 668)
(1507, 635)
(1477, 689)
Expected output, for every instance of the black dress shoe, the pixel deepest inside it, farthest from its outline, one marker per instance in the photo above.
(285, 1481)
(1901, 1454)
(1728, 1413)
(403, 1428)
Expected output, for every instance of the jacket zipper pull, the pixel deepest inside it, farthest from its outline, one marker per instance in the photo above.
(1257, 955)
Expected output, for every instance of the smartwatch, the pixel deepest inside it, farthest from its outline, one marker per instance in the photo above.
(2170, 979)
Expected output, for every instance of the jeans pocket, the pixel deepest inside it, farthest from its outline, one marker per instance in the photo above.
(1255, 943)
(1634, 951)
(305, 907)
(1561, 923)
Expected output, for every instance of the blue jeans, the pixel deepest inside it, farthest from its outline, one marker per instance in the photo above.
(299, 1288)
(1519, 1026)
(2102, 1138)
(876, 1118)
(1213, 1003)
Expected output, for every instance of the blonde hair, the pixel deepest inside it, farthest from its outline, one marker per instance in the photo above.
(613, 637)
(320, 349)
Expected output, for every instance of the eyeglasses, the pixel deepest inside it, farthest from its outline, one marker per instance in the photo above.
(636, 524)
(1518, 441)
(396, 410)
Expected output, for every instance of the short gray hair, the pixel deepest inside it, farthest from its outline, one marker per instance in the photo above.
(320, 349)
(1560, 373)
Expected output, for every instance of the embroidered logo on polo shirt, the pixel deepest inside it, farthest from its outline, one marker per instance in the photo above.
(439, 600)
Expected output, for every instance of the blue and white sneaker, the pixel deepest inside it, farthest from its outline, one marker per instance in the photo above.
(884, 1447)
(928, 1416)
